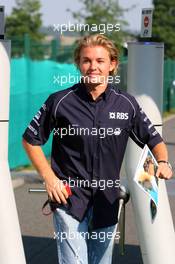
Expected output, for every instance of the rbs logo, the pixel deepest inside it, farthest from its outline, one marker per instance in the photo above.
(118, 115)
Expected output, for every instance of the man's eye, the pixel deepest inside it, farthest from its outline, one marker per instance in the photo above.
(100, 61)
(85, 60)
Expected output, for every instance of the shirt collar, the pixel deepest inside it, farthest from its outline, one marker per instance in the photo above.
(84, 92)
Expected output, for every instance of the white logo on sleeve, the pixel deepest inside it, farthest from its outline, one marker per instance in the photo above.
(118, 115)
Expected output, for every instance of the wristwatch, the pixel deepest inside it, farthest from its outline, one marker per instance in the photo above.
(167, 162)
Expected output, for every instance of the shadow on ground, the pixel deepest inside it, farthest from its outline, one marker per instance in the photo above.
(40, 250)
(132, 255)
(43, 250)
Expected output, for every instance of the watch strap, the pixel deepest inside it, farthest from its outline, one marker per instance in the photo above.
(165, 161)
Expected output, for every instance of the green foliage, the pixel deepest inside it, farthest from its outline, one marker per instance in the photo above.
(102, 13)
(164, 25)
(25, 19)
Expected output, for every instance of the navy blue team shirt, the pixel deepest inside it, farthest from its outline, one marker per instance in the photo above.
(89, 142)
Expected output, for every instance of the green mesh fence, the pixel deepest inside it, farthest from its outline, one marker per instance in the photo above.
(169, 88)
(31, 84)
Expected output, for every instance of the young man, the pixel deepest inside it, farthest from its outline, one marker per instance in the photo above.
(91, 123)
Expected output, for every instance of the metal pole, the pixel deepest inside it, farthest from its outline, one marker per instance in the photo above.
(37, 190)
(11, 249)
(124, 196)
(122, 229)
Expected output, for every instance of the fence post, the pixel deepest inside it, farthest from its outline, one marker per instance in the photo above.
(54, 49)
(26, 45)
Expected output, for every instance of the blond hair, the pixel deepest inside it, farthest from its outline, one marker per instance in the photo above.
(97, 40)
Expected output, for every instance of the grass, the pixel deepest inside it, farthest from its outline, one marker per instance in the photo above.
(170, 113)
(28, 167)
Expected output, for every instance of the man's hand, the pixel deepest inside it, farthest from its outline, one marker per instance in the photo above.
(55, 187)
(164, 171)
(56, 190)
(161, 154)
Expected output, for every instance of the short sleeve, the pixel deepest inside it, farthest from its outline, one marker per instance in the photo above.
(143, 131)
(42, 124)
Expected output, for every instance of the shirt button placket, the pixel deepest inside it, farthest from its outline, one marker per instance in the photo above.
(96, 142)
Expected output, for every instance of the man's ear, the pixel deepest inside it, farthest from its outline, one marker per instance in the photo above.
(113, 65)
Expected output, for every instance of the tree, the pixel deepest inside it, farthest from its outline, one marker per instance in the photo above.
(100, 15)
(164, 25)
(25, 19)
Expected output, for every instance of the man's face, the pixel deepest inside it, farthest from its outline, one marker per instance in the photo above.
(95, 64)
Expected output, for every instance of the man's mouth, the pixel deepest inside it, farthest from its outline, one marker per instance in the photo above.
(93, 74)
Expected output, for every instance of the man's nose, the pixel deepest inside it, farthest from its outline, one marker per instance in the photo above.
(93, 66)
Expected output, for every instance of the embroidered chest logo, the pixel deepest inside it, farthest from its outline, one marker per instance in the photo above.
(118, 115)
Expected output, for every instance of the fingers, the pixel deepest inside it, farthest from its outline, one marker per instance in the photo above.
(164, 172)
(59, 196)
(63, 189)
(58, 192)
(54, 197)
